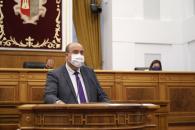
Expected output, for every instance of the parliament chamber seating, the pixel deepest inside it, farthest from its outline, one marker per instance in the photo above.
(174, 92)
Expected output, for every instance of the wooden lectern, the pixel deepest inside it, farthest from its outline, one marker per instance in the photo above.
(87, 116)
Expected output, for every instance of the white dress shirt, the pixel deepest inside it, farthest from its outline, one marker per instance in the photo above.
(74, 82)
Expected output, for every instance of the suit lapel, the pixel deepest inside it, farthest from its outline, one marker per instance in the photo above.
(87, 87)
(69, 82)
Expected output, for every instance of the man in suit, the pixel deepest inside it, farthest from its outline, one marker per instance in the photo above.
(73, 82)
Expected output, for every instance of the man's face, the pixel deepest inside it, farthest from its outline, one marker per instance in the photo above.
(74, 48)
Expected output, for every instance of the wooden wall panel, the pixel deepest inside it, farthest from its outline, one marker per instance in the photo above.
(35, 86)
(177, 77)
(15, 59)
(9, 86)
(36, 76)
(139, 86)
(139, 77)
(139, 92)
(8, 91)
(27, 85)
(179, 89)
(181, 127)
(108, 84)
(182, 98)
(7, 76)
(35, 91)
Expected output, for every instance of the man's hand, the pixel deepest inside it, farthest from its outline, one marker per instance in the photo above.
(59, 102)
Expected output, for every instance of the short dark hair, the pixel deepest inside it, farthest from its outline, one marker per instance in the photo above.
(67, 48)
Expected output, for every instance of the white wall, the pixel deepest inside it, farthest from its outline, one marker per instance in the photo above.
(146, 31)
(123, 56)
(169, 55)
(127, 56)
(188, 29)
(127, 8)
(151, 9)
(188, 8)
(171, 10)
(135, 32)
(192, 53)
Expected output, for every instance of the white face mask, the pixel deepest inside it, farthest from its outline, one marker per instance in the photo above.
(77, 60)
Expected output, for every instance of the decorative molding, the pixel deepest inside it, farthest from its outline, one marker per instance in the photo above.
(161, 44)
(96, 119)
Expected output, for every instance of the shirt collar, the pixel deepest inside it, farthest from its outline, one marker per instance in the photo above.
(70, 70)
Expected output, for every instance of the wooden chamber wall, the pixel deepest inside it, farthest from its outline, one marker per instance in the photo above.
(15, 59)
(27, 85)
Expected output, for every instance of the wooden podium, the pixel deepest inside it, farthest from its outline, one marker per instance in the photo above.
(87, 116)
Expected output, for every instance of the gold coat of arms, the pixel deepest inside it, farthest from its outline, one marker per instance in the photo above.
(30, 10)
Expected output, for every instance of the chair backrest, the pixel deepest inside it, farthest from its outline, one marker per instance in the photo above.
(34, 65)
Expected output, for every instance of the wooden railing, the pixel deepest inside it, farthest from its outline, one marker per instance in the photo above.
(87, 116)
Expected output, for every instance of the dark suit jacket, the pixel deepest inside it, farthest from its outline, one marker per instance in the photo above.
(60, 87)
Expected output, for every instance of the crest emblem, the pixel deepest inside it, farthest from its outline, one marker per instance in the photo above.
(30, 10)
